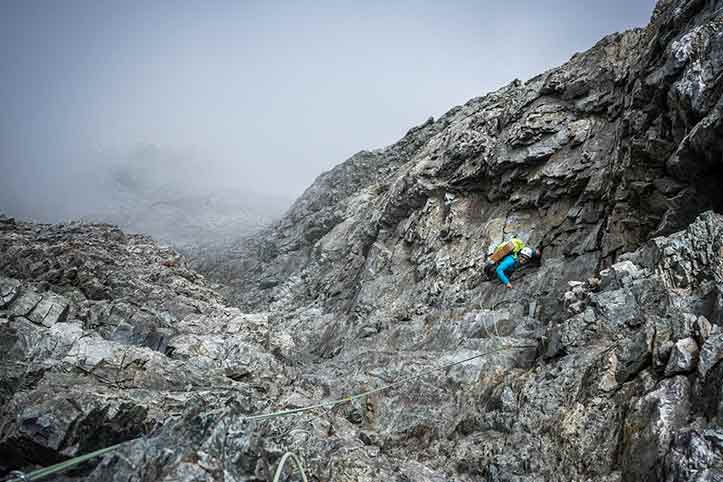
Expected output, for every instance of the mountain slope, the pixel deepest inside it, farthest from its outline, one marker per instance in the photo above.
(586, 161)
(604, 363)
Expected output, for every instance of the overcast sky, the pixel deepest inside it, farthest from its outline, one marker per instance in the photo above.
(256, 95)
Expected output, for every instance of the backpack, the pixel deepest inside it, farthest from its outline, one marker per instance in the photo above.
(513, 246)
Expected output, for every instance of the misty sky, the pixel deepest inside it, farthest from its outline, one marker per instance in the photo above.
(260, 96)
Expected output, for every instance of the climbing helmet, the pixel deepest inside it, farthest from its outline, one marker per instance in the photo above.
(527, 253)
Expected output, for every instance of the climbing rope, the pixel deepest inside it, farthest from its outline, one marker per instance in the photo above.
(299, 465)
(351, 398)
(62, 466)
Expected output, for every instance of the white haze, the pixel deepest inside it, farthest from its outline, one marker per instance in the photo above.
(252, 99)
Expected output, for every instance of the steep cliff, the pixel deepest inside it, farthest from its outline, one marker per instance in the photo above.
(604, 363)
(586, 161)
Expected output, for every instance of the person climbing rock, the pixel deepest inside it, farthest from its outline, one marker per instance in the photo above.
(509, 249)
(513, 246)
(511, 262)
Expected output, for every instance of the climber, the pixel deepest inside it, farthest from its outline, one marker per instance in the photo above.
(512, 262)
(512, 249)
(513, 246)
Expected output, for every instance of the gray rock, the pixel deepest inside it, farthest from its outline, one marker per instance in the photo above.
(618, 275)
(651, 427)
(683, 357)
(695, 454)
(616, 307)
(25, 304)
(710, 354)
(552, 343)
(9, 290)
(703, 329)
(50, 309)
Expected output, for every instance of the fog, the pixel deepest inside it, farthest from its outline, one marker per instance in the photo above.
(253, 99)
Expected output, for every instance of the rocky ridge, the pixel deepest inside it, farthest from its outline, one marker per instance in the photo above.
(603, 363)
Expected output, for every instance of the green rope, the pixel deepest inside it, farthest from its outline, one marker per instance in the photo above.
(332, 403)
(59, 467)
(299, 465)
(40, 473)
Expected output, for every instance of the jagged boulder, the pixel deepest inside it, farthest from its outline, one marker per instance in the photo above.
(683, 357)
(650, 428)
(9, 289)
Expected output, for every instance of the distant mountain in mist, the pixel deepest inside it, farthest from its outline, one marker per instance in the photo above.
(191, 220)
(177, 203)
(172, 194)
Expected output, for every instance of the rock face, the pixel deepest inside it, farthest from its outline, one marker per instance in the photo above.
(586, 161)
(603, 363)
